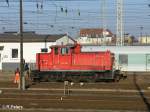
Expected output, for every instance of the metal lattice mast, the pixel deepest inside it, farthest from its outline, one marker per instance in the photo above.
(119, 33)
(103, 16)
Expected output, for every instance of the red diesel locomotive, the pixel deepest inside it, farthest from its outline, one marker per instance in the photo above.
(69, 63)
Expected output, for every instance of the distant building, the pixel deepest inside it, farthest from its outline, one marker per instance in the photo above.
(32, 44)
(144, 40)
(65, 40)
(95, 36)
(129, 39)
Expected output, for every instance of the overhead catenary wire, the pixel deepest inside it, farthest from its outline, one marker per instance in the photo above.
(131, 14)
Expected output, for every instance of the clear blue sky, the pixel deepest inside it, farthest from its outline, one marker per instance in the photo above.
(51, 19)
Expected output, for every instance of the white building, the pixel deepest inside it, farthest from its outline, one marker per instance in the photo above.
(32, 44)
(144, 40)
(65, 40)
(95, 36)
(94, 41)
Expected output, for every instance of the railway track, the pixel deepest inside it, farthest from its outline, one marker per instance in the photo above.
(125, 96)
(77, 101)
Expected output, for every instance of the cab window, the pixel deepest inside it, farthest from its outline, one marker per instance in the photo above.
(64, 51)
(56, 50)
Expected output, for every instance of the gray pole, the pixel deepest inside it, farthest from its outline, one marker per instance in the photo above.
(21, 47)
(141, 28)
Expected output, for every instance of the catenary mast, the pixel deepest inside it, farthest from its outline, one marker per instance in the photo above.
(120, 33)
(103, 16)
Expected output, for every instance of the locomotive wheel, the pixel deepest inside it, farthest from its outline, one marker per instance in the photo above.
(117, 78)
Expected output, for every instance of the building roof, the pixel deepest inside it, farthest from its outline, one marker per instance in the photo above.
(91, 31)
(72, 39)
(29, 37)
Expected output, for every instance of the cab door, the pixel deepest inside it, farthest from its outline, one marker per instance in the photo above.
(147, 62)
(56, 56)
(65, 56)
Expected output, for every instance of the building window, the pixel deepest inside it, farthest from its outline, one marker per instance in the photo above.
(123, 59)
(14, 53)
(97, 35)
(1, 48)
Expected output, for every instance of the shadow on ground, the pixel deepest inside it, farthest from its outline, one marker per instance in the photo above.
(141, 93)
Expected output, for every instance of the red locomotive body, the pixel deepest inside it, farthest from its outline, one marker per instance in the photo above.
(68, 58)
(66, 62)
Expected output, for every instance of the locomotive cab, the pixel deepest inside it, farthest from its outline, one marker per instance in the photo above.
(61, 50)
(62, 56)
(66, 49)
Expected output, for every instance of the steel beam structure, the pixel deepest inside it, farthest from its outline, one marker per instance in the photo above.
(103, 16)
(120, 32)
